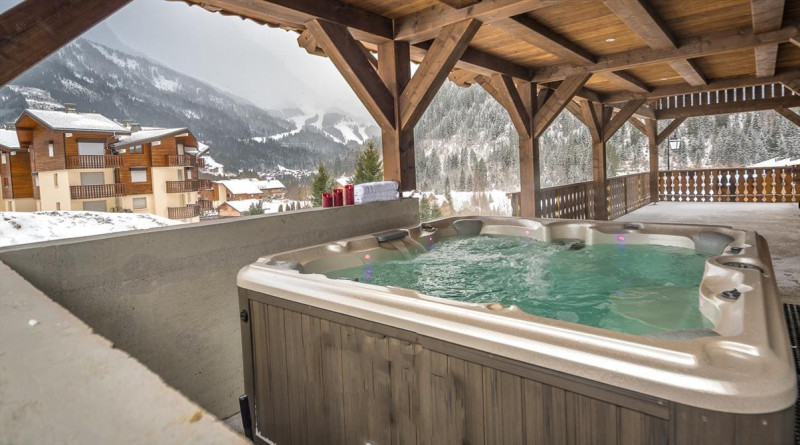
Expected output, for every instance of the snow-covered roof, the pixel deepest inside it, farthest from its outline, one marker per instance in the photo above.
(243, 205)
(241, 186)
(268, 206)
(775, 162)
(270, 184)
(74, 121)
(343, 181)
(147, 135)
(8, 139)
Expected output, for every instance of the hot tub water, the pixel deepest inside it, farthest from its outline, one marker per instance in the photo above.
(637, 289)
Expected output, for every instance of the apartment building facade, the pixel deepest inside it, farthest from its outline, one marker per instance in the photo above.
(85, 161)
(15, 174)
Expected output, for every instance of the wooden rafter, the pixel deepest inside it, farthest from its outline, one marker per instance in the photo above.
(716, 85)
(479, 61)
(792, 84)
(729, 107)
(575, 109)
(533, 32)
(669, 130)
(555, 104)
(502, 88)
(641, 19)
(347, 55)
(795, 41)
(639, 125)
(591, 119)
(767, 16)
(627, 81)
(621, 117)
(432, 72)
(699, 47)
(425, 24)
(32, 30)
(789, 114)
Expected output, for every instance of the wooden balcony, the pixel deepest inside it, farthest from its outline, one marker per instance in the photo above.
(97, 191)
(761, 184)
(190, 211)
(191, 185)
(181, 160)
(7, 194)
(201, 163)
(206, 184)
(94, 161)
(205, 205)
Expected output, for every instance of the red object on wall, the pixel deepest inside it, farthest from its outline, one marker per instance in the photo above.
(337, 198)
(327, 200)
(349, 195)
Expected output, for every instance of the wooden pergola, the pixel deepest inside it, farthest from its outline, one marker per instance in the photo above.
(607, 62)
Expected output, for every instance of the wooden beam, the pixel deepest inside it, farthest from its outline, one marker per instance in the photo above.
(591, 119)
(554, 105)
(32, 30)
(394, 69)
(715, 85)
(534, 33)
(729, 107)
(789, 114)
(661, 137)
(639, 125)
(795, 41)
(651, 130)
(478, 61)
(620, 118)
(698, 47)
(640, 18)
(425, 24)
(529, 161)
(432, 72)
(364, 24)
(502, 88)
(627, 81)
(347, 55)
(462, 78)
(792, 84)
(767, 16)
(575, 109)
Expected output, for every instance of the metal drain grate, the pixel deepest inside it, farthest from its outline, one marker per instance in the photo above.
(792, 312)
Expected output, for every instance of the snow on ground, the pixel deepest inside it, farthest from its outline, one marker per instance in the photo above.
(31, 227)
(499, 202)
(212, 167)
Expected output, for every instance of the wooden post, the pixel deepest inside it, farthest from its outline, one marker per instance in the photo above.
(394, 68)
(652, 138)
(530, 178)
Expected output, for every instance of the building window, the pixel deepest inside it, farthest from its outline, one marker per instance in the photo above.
(58, 206)
(3, 158)
(5, 183)
(136, 149)
(50, 148)
(138, 175)
(55, 179)
(139, 203)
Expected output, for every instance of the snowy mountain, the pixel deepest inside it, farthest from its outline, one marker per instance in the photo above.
(123, 86)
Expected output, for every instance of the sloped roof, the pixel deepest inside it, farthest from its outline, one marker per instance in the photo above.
(148, 135)
(74, 121)
(270, 184)
(8, 139)
(241, 186)
(243, 205)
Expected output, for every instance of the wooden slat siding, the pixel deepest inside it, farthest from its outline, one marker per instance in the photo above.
(441, 58)
(556, 103)
(279, 375)
(20, 171)
(332, 380)
(764, 184)
(296, 386)
(403, 403)
(346, 54)
(40, 158)
(636, 428)
(572, 201)
(31, 31)
(426, 24)
(701, 47)
(264, 413)
(96, 191)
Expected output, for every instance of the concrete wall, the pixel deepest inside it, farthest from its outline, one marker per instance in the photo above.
(64, 384)
(168, 296)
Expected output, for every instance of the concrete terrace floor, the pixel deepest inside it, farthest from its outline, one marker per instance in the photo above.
(778, 223)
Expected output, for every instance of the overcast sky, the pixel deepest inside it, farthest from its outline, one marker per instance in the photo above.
(258, 63)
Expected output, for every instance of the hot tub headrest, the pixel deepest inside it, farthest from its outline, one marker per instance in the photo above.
(391, 235)
(468, 227)
(291, 265)
(710, 243)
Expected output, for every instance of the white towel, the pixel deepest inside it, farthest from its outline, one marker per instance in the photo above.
(375, 197)
(375, 187)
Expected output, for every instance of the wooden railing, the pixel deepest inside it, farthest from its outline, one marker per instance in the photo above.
(96, 191)
(201, 163)
(574, 201)
(763, 184)
(205, 205)
(7, 194)
(180, 160)
(627, 193)
(190, 211)
(191, 185)
(206, 184)
(94, 161)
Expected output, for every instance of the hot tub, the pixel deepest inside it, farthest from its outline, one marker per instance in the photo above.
(342, 361)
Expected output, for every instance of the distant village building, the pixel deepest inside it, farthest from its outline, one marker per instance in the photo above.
(240, 208)
(244, 189)
(85, 161)
(15, 173)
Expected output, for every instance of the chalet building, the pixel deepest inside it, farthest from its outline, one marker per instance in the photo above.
(243, 189)
(15, 174)
(85, 161)
(271, 189)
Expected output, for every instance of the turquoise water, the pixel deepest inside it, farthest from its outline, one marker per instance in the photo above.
(638, 289)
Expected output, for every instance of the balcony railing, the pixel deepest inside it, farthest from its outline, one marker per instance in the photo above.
(97, 191)
(190, 211)
(94, 161)
(627, 193)
(205, 205)
(763, 184)
(180, 160)
(7, 193)
(191, 185)
(206, 184)
(201, 163)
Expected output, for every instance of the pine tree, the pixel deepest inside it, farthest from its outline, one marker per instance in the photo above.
(447, 194)
(280, 208)
(424, 209)
(322, 183)
(255, 208)
(435, 211)
(369, 167)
